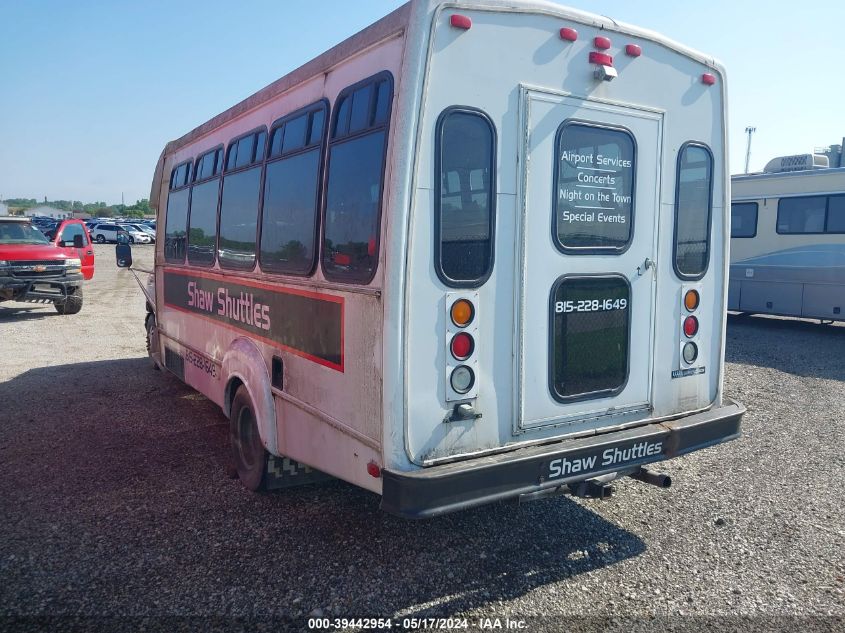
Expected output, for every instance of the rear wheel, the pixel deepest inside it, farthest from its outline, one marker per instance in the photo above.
(101, 239)
(72, 304)
(247, 450)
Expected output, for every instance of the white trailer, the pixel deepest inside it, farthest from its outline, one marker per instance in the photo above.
(788, 240)
(477, 251)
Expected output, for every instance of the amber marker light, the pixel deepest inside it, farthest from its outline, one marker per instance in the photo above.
(691, 300)
(462, 313)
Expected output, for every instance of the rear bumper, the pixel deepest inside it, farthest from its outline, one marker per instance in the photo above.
(437, 490)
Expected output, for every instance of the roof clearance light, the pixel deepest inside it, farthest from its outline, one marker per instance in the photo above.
(602, 43)
(691, 300)
(707, 79)
(460, 21)
(568, 34)
(462, 313)
(632, 50)
(462, 379)
(690, 326)
(602, 59)
(462, 346)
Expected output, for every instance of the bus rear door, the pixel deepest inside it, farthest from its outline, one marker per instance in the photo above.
(591, 181)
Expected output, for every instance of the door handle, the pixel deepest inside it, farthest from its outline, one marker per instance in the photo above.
(89, 252)
(648, 263)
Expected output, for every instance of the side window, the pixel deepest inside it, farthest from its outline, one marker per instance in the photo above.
(594, 192)
(202, 216)
(291, 186)
(744, 219)
(801, 215)
(355, 179)
(175, 231)
(464, 213)
(836, 214)
(72, 230)
(239, 202)
(693, 200)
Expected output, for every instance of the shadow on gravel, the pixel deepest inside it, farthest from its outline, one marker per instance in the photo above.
(803, 348)
(27, 313)
(114, 479)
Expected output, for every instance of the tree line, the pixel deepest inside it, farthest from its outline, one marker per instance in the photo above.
(95, 209)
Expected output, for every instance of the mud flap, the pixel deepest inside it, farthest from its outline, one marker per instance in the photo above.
(284, 472)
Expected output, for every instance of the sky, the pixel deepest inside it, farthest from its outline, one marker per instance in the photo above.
(90, 91)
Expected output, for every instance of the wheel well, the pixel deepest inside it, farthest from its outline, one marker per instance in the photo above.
(231, 390)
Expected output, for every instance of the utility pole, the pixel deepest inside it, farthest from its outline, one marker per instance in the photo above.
(749, 130)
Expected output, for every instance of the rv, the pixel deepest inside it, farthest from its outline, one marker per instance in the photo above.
(788, 240)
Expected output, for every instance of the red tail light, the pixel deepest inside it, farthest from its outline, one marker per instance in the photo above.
(690, 326)
(462, 345)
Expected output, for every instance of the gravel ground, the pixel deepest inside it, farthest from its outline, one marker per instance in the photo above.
(115, 502)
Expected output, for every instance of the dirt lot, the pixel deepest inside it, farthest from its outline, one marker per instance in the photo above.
(115, 502)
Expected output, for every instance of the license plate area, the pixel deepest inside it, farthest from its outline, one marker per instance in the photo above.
(596, 460)
(589, 336)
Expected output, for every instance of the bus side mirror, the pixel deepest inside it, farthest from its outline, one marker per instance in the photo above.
(123, 252)
(77, 241)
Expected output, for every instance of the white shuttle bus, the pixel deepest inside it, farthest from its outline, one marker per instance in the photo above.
(788, 240)
(477, 251)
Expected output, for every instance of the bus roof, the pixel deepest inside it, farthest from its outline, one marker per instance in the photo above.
(393, 24)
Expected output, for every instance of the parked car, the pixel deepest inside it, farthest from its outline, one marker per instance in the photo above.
(108, 232)
(143, 228)
(32, 268)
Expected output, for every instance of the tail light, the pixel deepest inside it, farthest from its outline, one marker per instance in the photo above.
(690, 328)
(461, 336)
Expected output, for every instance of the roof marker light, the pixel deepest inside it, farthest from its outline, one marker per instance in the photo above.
(602, 59)
(568, 34)
(707, 79)
(460, 21)
(601, 42)
(632, 50)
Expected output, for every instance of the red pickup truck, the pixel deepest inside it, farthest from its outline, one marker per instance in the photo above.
(33, 268)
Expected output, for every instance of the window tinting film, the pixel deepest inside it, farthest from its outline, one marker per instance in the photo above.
(352, 206)
(692, 211)
(744, 219)
(589, 336)
(465, 203)
(836, 214)
(238, 219)
(801, 215)
(175, 231)
(594, 197)
(290, 213)
(202, 234)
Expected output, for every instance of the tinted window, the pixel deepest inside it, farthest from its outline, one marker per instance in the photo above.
(295, 133)
(179, 176)
(246, 147)
(836, 214)
(175, 231)
(744, 219)
(692, 211)
(801, 215)
(382, 103)
(206, 166)
(352, 206)
(238, 219)
(72, 230)
(316, 134)
(353, 186)
(589, 336)
(289, 217)
(594, 197)
(202, 234)
(464, 203)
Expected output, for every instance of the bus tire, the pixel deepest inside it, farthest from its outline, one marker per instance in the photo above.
(248, 451)
(73, 303)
